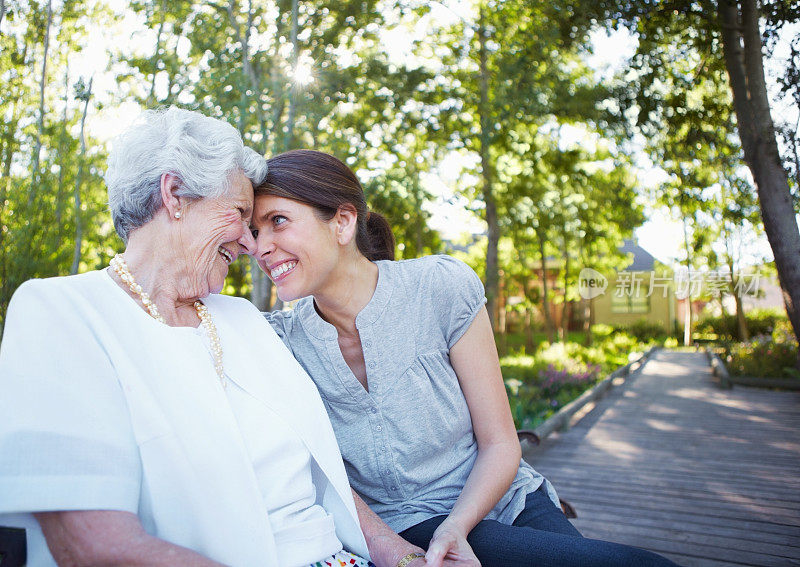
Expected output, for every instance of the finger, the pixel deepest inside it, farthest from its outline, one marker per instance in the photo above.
(437, 550)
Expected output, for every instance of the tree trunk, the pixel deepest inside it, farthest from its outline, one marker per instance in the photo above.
(526, 285)
(261, 292)
(687, 315)
(250, 73)
(548, 319)
(9, 140)
(741, 321)
(529, 346)
(76, 257)
(741, 39)
(288, 142)
(2, 10)
(278, 85)
(37, 146)
(563, 327)
(796, 156)
(493, 229)
(151, 96)
(61, 139)
(7, 156)
(589, 322)
(585, 304)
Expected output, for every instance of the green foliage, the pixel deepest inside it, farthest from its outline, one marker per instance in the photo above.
(771, 355)
(565, 205)
(538, 385)
(645, 330)
(724, 327)
(40, 153)
(400, 198)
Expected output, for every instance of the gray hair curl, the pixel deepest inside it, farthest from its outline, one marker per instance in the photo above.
(202, 152)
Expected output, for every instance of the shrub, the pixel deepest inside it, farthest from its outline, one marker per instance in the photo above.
(759, 322)
(602, 331)
(770, 356)
(540, 384)
(552, 380)
(765, 321)
(645, 330)
(532, 402)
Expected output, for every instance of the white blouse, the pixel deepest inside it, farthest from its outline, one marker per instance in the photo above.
(303, 530)
(104, 408)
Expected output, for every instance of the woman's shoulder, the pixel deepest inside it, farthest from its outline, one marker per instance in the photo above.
(279, 317)
(46, 290)
(231, 302)
(236, 309)
(434, 271)
(287, 322)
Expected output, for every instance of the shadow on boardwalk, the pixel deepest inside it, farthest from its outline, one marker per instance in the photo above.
(670, 463)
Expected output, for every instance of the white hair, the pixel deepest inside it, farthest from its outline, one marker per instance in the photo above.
(201, 152)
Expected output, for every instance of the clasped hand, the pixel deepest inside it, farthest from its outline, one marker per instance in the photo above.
(448, 548)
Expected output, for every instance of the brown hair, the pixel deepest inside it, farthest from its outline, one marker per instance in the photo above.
(325, 183)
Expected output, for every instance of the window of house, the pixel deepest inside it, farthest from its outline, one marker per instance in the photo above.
(630, 303)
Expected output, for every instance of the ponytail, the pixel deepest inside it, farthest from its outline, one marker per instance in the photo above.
(379, 238)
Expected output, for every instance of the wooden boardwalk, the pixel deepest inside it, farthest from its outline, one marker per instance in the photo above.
(669, 462)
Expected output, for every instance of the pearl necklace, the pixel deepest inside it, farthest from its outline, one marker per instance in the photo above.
(121, 268)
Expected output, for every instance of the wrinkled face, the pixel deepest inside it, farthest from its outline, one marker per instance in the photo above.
(213, 232)
(294, 247)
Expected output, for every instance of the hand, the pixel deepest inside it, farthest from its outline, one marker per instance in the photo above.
(388, 551)
(449, 548)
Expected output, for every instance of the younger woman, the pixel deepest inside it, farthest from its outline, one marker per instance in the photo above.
(404, 358)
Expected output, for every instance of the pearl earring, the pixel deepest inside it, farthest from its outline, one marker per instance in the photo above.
(177, 214)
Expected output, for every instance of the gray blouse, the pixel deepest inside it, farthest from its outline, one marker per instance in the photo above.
(407, 443)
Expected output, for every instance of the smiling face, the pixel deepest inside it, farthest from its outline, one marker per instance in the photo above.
(294, 247)
(213, 232)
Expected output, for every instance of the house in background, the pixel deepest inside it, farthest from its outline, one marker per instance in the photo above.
(637, 293)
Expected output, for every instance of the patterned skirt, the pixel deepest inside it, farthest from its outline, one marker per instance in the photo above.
(343, 559)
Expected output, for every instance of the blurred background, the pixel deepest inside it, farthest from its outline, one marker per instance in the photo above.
(531, 139)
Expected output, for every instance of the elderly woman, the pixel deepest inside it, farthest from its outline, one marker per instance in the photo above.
(138, 424)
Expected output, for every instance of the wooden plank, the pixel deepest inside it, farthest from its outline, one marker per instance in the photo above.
(657, 502)
(659, 545)
(699, 496)
(692, 561)
(740, 532)
(670, 462)
(670, 519)
(771, 478)
(680, 535)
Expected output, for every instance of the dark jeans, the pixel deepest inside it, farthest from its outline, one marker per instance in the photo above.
(541, 536)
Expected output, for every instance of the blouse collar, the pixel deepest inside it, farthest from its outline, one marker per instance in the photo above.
(318, 327)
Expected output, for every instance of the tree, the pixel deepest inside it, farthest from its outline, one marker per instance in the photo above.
(516, 64)
(297, 74)
(564, 209)
(728, 32)
(83, 93)
(39, 148)
(743, 50)
(738, 222)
